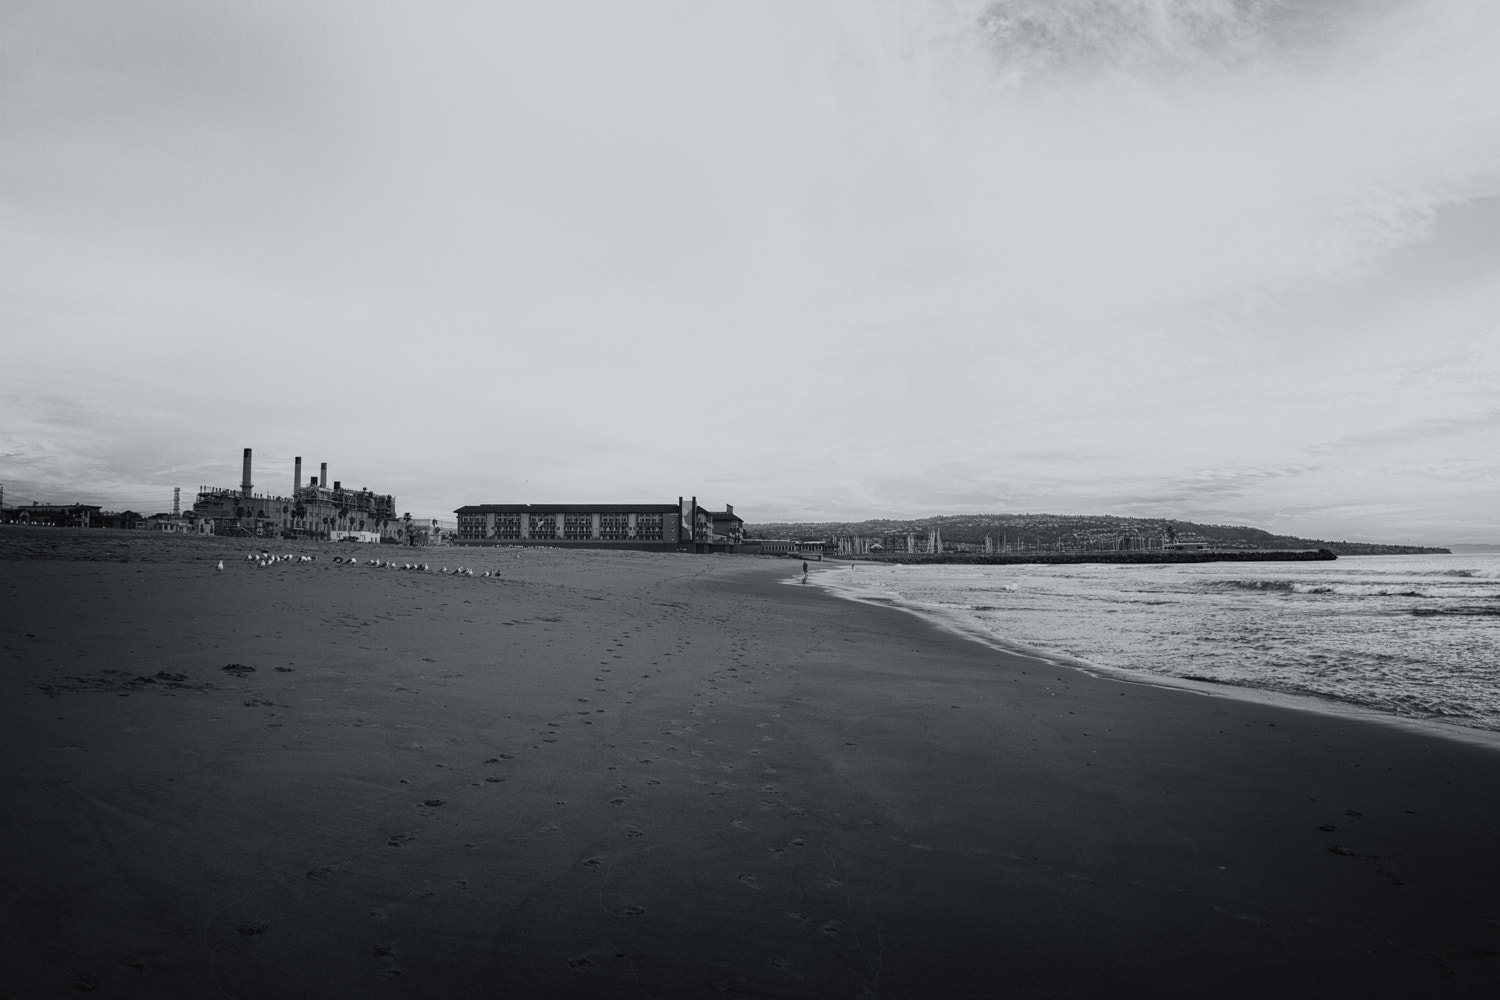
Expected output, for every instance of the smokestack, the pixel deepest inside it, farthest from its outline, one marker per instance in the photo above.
(245, 484)
(323, 475)
(177, 501)
(297, 476)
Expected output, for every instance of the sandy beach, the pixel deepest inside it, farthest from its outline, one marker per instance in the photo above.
(647, 775)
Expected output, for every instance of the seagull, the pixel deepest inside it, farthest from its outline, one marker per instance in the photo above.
(220, 567)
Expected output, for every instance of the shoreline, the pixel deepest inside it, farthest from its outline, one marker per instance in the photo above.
(1298, 701)
(669, 775)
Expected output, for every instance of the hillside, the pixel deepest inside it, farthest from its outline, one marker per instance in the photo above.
(1062, 531)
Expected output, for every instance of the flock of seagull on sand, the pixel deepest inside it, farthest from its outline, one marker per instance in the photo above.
(266, 558)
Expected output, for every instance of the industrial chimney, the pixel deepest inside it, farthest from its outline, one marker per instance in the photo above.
(245, 484)
(297, 476)
(323, 475)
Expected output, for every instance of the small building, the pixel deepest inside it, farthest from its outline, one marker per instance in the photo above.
(795, 548)
(1188, 545)
(187, 523)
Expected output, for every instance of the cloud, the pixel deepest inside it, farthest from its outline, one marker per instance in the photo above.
(882, 255)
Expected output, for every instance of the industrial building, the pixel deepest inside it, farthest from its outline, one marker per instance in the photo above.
(315, 510)
(679, 527)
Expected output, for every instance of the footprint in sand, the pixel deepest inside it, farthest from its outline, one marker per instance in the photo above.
(831, 929)
(620, 801)
(799, 920)
(632, 911)
(401, 838)
(739, 824)
(593, 864)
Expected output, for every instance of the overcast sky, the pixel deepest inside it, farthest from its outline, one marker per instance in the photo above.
(1220, 260)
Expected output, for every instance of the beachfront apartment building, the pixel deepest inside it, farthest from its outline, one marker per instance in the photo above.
(683, 526)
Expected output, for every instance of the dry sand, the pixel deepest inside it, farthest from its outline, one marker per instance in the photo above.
(641, 775)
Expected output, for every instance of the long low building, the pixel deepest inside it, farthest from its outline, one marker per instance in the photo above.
(679, 527)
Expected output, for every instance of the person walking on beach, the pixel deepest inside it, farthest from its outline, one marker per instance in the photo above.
(804, 572)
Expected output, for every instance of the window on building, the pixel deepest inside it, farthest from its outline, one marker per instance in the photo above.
(578, 526)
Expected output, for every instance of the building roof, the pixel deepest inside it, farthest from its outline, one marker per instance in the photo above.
(56, 508)
(569, 508)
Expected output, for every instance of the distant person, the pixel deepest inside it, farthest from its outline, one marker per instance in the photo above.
(804, 571)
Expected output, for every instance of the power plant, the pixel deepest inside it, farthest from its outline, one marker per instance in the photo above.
(313, 510)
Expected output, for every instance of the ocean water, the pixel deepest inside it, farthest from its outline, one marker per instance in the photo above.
(1413, 637)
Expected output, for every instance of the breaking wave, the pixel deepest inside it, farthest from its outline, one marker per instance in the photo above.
(1412, 637)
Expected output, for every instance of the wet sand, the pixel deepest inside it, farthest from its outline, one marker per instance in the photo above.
(643, 775)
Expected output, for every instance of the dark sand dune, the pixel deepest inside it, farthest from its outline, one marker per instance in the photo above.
(635, 775)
